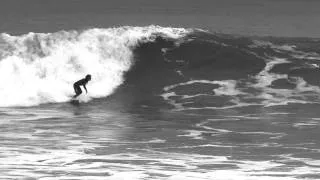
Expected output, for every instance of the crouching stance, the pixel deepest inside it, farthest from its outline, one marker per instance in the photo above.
(81, 82)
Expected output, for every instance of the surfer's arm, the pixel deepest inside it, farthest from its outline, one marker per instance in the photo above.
(84, 86)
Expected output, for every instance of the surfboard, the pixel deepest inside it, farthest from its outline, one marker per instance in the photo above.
(74, 101)
(79, 100)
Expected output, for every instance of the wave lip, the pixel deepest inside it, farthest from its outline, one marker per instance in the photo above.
(37, 68)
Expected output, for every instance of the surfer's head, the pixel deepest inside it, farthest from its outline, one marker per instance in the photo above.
(88, 77)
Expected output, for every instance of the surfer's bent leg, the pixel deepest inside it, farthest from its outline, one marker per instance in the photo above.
(77, 90)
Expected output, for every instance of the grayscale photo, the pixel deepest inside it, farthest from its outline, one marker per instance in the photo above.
(159, 90)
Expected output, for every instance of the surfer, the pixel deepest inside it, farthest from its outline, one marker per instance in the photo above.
(81, 82)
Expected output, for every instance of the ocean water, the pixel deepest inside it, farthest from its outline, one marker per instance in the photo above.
(163, 103)
(168, 101)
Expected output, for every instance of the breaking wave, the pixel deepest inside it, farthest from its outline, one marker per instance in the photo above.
(37, 68)
(189, 69)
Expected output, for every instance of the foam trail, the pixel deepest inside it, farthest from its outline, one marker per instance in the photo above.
(38, 68)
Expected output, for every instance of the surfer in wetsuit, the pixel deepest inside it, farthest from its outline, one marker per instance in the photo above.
(81, 82)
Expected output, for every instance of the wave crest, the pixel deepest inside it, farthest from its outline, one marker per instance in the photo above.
(38, 68)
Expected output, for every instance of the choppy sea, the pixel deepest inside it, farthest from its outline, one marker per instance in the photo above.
(163, 103)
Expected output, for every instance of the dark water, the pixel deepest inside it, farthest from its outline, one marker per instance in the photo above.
(164, 103)
(246, 17)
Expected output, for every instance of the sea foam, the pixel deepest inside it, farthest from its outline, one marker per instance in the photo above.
(37, 68)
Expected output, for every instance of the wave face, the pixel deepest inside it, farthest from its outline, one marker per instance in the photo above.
(187, 68)
(38, 68)
(205, 71)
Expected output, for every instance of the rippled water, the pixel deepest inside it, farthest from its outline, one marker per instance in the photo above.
(97, 140)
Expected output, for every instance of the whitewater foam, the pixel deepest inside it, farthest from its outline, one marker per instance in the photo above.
(38, 68)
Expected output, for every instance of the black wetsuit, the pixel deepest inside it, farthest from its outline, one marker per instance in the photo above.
(76, 86)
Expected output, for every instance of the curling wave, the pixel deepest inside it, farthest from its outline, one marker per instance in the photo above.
(37, 68)
(187, 69)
